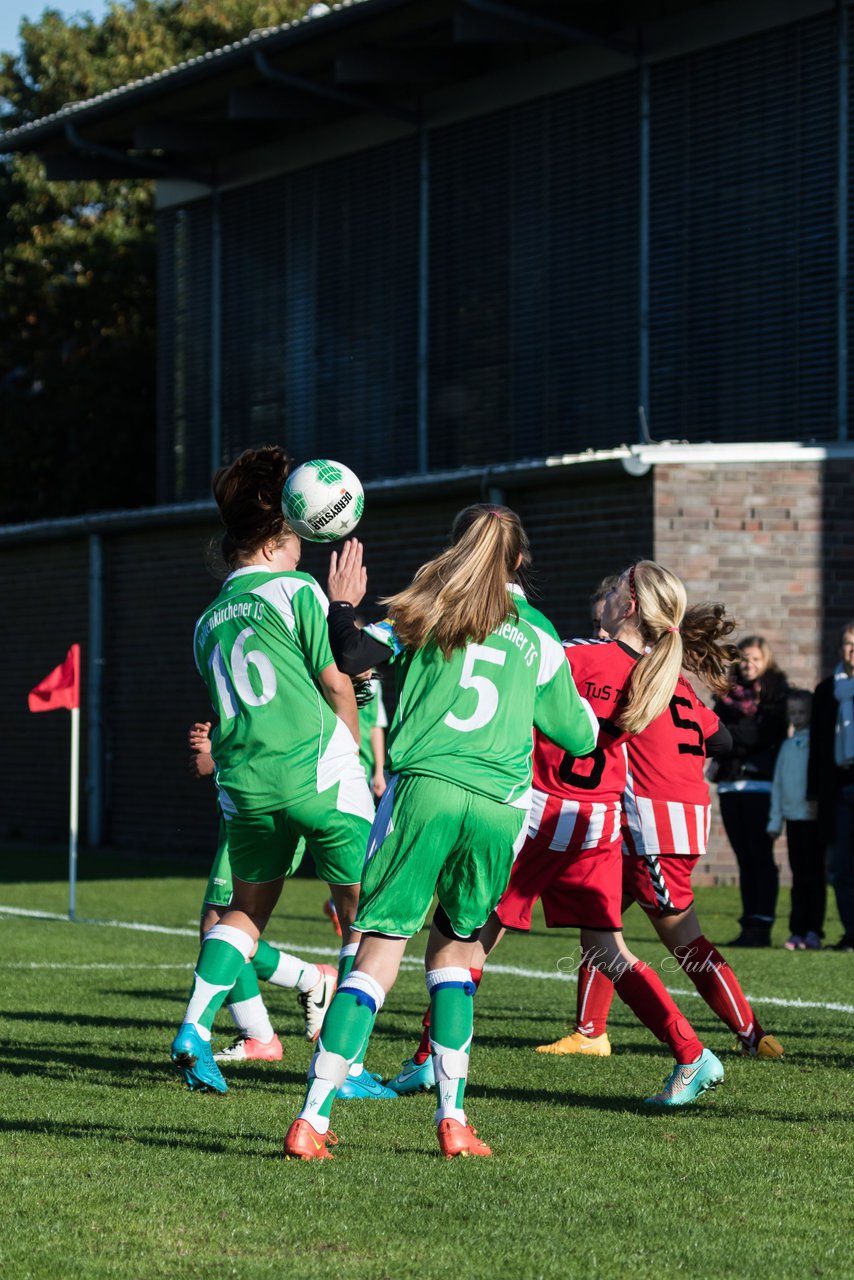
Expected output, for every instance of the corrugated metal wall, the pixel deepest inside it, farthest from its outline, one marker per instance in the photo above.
(533, 279)
(155, 585)
(184, 353)
(743, 239)
(533, 310)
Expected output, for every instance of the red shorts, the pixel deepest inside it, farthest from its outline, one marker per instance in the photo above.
(579, 888)
(660, 883)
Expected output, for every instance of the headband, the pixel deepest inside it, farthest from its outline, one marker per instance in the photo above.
(632, 592)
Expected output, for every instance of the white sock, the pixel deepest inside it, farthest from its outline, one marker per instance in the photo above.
(293, 972)
(252, 1020)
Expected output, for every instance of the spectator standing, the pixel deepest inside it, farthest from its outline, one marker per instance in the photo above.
(830, 779)
(789, 804)
(754, 711)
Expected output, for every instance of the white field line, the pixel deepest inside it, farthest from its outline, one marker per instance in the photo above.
(408, 962)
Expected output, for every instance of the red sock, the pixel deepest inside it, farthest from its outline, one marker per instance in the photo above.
(593, 1002)
(720, 988)
(422, 1053)
(644, 993)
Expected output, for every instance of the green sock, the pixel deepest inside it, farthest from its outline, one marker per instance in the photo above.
(345, 963)
(246, 987)
(347, 1025)
(359, 1060)
(217, 969)
(265, 960)
(346, 1030)
(451, 1024)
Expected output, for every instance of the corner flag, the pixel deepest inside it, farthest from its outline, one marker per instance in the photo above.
(60, 688)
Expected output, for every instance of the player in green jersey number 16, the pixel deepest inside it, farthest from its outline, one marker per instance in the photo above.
(285, 748)
(476, 667)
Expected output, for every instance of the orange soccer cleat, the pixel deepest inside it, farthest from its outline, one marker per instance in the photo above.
(330, 911)
(302, 1142)
(457, 1139)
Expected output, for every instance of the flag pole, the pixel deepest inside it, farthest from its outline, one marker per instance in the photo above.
(73, 808)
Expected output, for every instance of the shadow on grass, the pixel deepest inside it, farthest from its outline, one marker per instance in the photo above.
(126, 1071)
(170, 1138)
(556, 1097)
(63, 1018)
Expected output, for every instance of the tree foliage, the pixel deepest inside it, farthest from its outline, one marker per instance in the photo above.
(77, 263)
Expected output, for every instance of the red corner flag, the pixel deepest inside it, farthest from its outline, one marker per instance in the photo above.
(61, 688)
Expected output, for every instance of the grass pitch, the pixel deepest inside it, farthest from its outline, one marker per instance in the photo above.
(111, 1168)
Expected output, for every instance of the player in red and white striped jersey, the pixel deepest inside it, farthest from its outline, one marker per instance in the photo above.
(666, 817)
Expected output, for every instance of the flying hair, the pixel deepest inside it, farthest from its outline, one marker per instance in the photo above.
(461, 595)
(248, 493)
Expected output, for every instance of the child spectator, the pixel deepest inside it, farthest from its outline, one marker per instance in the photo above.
(789, 803)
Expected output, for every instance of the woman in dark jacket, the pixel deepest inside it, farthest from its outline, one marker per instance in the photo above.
(754, 711)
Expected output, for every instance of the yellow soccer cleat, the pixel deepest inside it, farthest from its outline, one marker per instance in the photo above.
(595, 1047)
(768, 1047)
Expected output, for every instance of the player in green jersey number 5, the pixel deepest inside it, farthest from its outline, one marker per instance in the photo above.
(476, 667)
(286, 747)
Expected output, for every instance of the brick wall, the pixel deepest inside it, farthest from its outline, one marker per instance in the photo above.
(763, 540)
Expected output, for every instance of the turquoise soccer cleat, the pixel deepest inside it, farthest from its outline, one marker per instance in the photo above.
(364, 1085)
(415, 1077)
(195, 1058)
(687, 1082)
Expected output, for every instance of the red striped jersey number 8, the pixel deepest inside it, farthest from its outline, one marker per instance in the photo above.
(595, 762)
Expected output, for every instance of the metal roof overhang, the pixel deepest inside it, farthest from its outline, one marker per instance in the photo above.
(366, 57)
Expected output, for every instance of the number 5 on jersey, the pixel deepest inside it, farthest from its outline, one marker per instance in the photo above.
(239, 684)
(487, 693)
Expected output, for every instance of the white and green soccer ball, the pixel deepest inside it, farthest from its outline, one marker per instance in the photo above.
(323, 500)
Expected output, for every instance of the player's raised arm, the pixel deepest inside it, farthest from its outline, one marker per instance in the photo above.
(355, 650)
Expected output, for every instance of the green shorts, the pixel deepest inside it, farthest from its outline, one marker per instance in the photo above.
(220, 885)
(263, 845)
(431, 836)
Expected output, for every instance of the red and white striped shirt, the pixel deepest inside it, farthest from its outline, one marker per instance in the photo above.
(666, 806)
(576, 800)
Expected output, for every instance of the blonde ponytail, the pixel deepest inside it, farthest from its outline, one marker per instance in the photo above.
(461, 594)
(660, 600)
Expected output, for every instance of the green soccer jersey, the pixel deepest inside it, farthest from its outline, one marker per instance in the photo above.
(468, 718)
(259, 648)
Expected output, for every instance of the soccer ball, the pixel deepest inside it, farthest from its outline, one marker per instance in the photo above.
(323, 500)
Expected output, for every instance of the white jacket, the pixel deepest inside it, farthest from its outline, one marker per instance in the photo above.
(789, 788)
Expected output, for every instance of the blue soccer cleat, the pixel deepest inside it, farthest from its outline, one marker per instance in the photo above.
(195, 1058)
(364, 1085)
(414, 1077)
(687, 1082)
